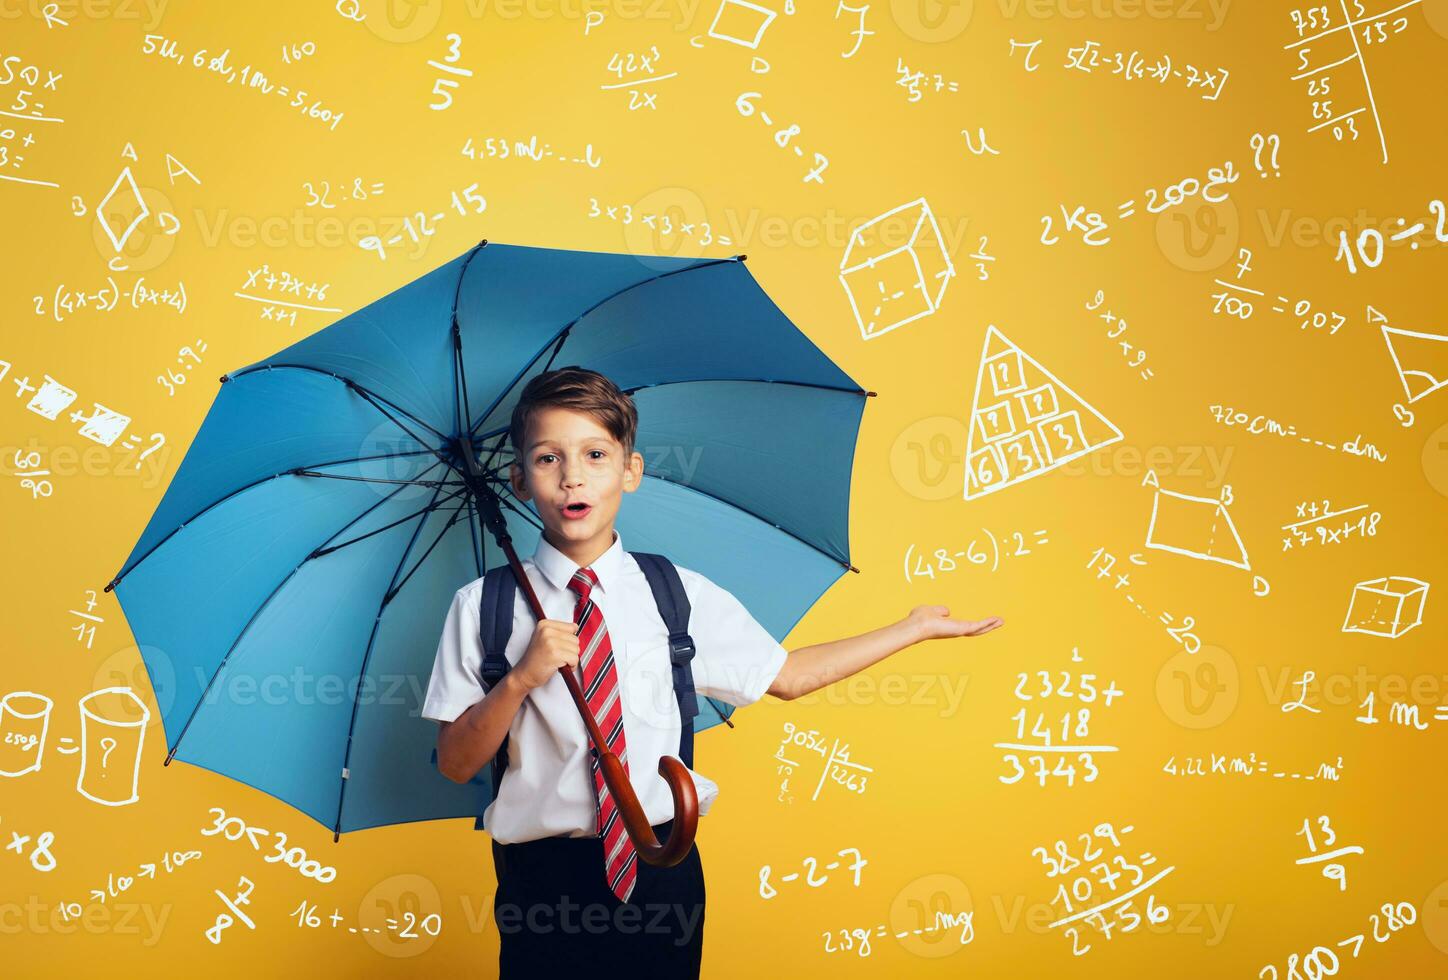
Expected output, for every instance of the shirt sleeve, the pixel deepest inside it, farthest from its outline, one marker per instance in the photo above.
(457, 680)
(735, 658)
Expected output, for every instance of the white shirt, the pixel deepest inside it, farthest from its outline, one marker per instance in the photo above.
(547, 789)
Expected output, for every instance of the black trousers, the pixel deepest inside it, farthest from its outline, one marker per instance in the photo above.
(555, 912)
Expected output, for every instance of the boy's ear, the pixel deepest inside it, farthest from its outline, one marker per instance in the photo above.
(634, 475)
(515, 477)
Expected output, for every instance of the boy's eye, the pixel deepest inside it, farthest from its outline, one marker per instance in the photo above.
(546, 457)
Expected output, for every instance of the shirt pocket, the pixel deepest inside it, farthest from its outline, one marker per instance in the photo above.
(646, 681)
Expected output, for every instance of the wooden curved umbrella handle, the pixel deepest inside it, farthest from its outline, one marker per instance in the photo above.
(681, 785)
(640, 831)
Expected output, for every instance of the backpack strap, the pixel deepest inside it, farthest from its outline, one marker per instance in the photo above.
(495, 627)
(673, 605)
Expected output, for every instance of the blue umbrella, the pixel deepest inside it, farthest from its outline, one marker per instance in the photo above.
(292, 582)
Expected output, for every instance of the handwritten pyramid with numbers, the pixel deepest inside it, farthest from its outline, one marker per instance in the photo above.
(1024, 420)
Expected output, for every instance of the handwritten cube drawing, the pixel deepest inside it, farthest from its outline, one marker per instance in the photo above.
(891, 284)
(1386, 606)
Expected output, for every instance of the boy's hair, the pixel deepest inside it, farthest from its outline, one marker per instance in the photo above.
(581, 390)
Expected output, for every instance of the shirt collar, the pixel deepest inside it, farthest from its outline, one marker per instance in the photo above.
(559, 569)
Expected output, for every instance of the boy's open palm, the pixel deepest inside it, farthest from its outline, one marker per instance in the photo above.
(934, 622)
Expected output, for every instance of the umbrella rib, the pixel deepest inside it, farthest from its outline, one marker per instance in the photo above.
(255, 483)
(257, 612)
(570, 325)
(367, 656)
(368, 396)
(327, 550)
(762, 381)
(461, 409)
(392, 592)
(378, 479)
(526, 515)
(361, 390)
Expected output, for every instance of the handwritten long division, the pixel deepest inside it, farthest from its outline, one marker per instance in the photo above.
(1330, 36)
(837, 768)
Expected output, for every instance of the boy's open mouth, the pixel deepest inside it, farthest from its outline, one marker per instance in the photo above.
(576, 510)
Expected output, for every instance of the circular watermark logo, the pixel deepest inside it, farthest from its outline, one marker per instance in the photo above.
(401, 916)
(391, 459)
(1435, 917)
(134, 228)
(401, 21)
(927, 458)
(1435, 12)
(1198, 690)
(148, 672)
(1198, 236)
(935, 914)
(671, 222)
(932, 21)
(1435, 459)
(646, 680)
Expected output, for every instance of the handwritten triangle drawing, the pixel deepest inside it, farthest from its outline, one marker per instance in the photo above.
(1421, 360)
(1024, 420)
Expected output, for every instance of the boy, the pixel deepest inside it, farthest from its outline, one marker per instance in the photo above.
(561, 900)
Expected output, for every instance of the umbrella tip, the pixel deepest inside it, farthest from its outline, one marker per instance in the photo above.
(741, 258)
(871, 394)
(225, 378)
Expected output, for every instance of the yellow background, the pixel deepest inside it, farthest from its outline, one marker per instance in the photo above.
(937, 827)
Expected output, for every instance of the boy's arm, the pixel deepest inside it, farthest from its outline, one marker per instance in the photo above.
(473, 719)
(810, 668)
(469, 741)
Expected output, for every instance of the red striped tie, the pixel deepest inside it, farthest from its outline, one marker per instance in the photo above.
(600, 690)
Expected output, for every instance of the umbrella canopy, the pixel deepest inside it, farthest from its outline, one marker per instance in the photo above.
(292, 583)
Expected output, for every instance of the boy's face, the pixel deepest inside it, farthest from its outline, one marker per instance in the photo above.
(570, 459)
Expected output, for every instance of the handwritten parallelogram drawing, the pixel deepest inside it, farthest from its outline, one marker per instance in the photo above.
(1024, 420)
(1198, 527)
(741, 22)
